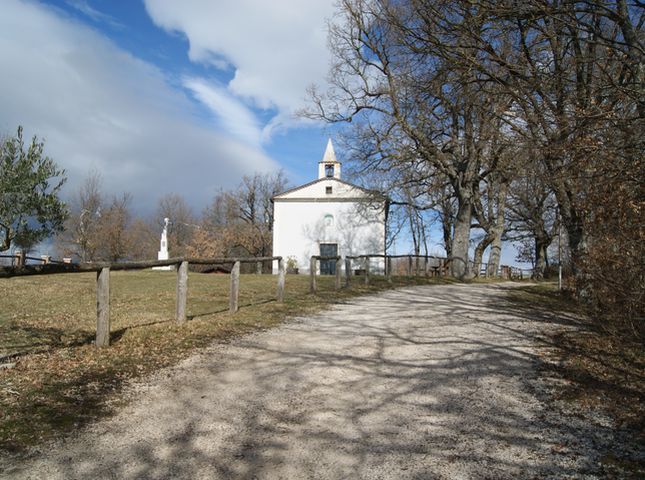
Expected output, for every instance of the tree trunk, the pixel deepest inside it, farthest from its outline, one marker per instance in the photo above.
(496, 232)
(579, 245)
(541, 245)
(413, 231)
(6, 241)
(446, 225)
(495, 254)
(461, 238)
(479, 253)
(576, 235)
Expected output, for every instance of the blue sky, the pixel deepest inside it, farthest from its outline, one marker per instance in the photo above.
(168, 96)
(164, 96)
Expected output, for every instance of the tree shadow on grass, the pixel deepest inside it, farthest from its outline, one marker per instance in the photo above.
(226, 310)
(116, 335)
(568, 319)
(21, 340)
(595, 371)
(60, 404)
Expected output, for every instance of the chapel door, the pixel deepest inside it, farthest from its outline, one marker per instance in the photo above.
(328, 267)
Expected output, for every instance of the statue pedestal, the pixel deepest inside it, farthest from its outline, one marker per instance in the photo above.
(161, 255)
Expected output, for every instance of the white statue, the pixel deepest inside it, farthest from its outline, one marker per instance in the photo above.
(163, 246)
(163, 250)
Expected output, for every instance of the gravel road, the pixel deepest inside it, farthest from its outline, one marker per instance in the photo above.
(429, 382)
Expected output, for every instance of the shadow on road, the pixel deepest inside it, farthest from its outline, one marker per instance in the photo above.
(422, 382)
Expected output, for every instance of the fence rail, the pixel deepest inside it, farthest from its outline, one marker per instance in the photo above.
(441, 269)
(19, 259)
(103, 270)
(416, 265)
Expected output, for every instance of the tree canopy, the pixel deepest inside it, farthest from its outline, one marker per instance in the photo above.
(30, 181)
(474, 99)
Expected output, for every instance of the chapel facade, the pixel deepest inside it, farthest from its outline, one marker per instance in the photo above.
(328, 217)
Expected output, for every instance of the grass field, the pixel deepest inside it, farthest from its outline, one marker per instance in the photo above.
(59, 380)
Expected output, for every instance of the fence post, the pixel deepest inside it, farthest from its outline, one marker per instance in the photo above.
(348, 271)
(258, 268)
(235, 288)
(182, 292)
(409, 265)
(338, 273)
(425, 266)
(281, 277)
(103, 307)
(367, 270)
(312, 274)
(388, 268)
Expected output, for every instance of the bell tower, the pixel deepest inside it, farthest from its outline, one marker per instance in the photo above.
(329, 166)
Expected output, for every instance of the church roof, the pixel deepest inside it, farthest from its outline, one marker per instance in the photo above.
(350, 192)
(365, 191)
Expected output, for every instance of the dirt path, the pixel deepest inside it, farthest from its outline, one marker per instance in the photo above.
(423, 382)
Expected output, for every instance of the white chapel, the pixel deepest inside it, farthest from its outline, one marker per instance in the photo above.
(328, 217)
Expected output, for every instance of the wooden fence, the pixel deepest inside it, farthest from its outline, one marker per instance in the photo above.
(416, 265)
(313, 267)
(18, 259)
(103, 282)
(441, 268)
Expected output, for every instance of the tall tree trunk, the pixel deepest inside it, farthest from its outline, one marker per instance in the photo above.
(579, 246)
(496, 232)
(461, 237)
(541, 245)
(577, 237)
(413, 231)
(495, 254)
(445, 209)
(446, 226)
(479, 253)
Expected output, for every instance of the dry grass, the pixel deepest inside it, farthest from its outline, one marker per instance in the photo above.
(60, 381)
(601, 371)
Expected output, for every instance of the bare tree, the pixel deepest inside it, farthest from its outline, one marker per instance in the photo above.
(402, 77)
(81, 237)
(143, 240)
(490, 212)
(240, 221)
(182, 222)
(575, 72)
(113, 229)
(532, 215)
(222, 211)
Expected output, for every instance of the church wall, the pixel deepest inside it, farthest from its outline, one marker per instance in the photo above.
(301, 226)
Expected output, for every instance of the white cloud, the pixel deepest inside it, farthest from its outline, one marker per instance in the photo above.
(98, 106)
(277, 48)
(233, 116)
(89, 11)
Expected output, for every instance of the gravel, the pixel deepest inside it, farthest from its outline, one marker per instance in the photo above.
(432, 382)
